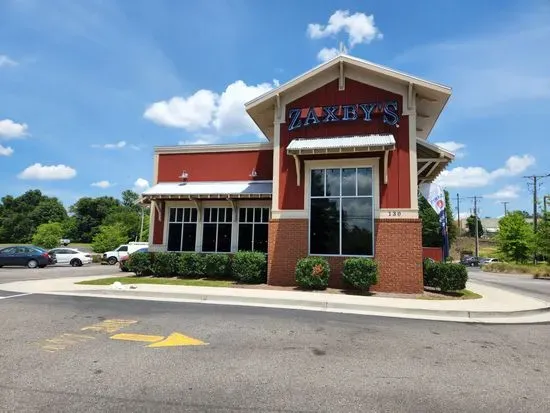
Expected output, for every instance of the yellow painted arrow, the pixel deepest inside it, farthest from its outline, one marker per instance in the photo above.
(173, 340)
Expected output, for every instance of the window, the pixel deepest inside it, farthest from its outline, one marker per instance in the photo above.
(182, 229)
(341, 212)
(124, 248)
(216, 230)
(253, 229)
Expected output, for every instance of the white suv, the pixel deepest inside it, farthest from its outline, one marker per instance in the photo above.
(112, 257)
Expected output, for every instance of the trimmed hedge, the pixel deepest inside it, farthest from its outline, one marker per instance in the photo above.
(165, 264)
(140, 263)
(192, 264)
(250, 267)
(445, 276)
(312, 273)
(217, 265)
(360, 273)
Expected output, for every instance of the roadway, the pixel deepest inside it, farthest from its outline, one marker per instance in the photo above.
(522, 284)
(12, 274)
(65, 354)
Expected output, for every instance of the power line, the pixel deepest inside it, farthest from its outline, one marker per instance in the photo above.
(535, 183)
(475, 198)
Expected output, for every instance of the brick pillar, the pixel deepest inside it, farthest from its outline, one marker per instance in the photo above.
(398, 252)
(288, 240)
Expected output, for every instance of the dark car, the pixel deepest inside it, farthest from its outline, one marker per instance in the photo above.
(27, 256)
(470, 261)
(123, 262)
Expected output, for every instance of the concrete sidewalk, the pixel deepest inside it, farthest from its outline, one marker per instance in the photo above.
(496, 306)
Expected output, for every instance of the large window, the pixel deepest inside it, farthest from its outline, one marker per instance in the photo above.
(253, 229)
(216, 230)
(182, 229)
(341, 212)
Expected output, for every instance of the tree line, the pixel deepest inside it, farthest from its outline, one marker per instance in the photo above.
(42, 220)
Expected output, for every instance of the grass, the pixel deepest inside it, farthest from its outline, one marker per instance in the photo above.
(163, 281)
(451, 295)
(539, 270)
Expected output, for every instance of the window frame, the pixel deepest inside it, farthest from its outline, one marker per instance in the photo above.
(217, 223)
(253, 223)
(182, 222)
(370, 163)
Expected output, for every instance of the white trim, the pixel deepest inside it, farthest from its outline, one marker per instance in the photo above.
(297, 165)
(236, 147)
(386, 153)
(413, 162)
(156, 169)
(441, 151)
(397, 213)
(373, 163)
(276, 160)
(289, 214)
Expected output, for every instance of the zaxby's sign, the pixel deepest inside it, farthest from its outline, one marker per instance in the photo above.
(299, 118)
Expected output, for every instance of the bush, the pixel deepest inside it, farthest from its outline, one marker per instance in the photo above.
(312, 273)
(165, 264)
(140, 263)
(217, 265)
(109, 237)
(191, 264)
(48, 235)
(250, 267)
(360, 273)
(445, 276)
(539, 270)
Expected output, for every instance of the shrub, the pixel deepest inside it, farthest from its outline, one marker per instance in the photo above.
(445, 276)
(217, 265)
(165, 264)
(360, 273)
(312, 273)
(140, 263)
(109, 237)
(48, 235)
(191, 264)
(250, 267)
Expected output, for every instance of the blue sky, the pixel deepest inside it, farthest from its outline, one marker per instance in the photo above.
(88, 87)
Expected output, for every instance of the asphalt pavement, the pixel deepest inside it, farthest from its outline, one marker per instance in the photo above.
(522, 284)
(64, 354)
(12, 274)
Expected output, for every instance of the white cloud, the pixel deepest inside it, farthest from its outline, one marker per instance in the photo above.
(508, 192)
(206, 110)
(359, 27)
(45, 172)
(325, 54)
(5, 151)
(141, 185)
(6, 61)
(190, 113)
(230, 117)
(117, 145)
(10, 129)
(476, 176)
(453, 147)
(102, 184)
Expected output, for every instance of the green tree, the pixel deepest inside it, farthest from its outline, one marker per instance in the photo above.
(542, 238)
(20, 216)
(431, 229)
(129, 200)
(48, 235)
(109, 237)
(515, 239)
(471, 223)
(89, 214)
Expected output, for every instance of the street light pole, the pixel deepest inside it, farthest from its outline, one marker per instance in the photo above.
(535, 179)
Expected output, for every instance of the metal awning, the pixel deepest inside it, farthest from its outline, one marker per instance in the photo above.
(431, 160)
(341, 144)
(209, 190)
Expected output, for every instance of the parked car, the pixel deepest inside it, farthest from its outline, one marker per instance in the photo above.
(26, 255)
(71, 256)
(489, 261)
(112, 257)
(470, 261)
(123, 262)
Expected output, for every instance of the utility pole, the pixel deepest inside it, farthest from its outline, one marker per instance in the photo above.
(458, 198)
(476, 198)
(545, 201)
(535, 183)
(505, 203)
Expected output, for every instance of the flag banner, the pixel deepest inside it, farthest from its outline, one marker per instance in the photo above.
(435, 196)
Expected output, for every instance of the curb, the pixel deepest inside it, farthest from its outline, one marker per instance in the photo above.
(308, 304)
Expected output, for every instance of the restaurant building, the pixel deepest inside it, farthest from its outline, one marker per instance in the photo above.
(337, 176)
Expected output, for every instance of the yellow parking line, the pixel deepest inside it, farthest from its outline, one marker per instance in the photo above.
(137, 337)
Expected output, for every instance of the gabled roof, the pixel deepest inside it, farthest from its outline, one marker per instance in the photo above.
(431, 97)
(431, 160)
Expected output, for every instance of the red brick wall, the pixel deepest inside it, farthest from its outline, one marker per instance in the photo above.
(435, 253)
(398, 252)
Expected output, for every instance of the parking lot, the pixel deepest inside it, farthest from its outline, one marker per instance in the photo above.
(11, 274)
